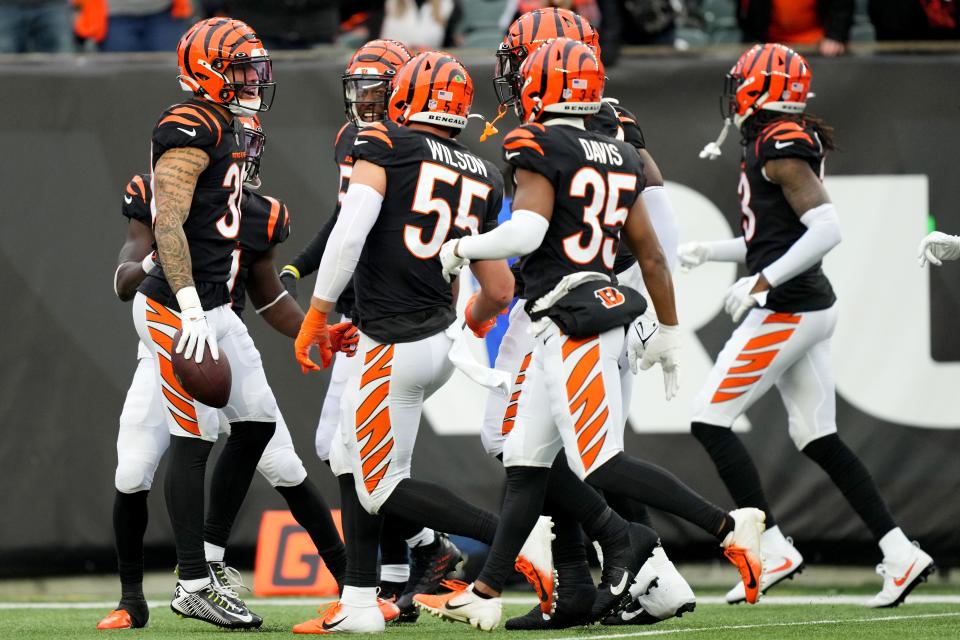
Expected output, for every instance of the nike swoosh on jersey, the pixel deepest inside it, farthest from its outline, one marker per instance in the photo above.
(511, 154)
(360, 142)
(189, 132)
(128, 199)
(620, 587)
(779, 144)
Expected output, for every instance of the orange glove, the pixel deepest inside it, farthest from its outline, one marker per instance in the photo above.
(181, 9)
(91, 20)
(480, 329)
(313, 331)
(344, 337)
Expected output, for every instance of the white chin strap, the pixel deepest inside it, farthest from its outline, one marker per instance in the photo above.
(712, 150)
(245, 107)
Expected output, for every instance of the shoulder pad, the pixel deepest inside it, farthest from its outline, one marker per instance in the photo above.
(788, 139)
(278, 225)
(136, 199)
(377, 143)
(630, 128)
(188, 125)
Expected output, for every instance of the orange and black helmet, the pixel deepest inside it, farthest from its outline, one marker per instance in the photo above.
(563, 76)
(433, 88)
(526, 34)
(253, 142)
(768, 76)
(224, 61)
(366, 81)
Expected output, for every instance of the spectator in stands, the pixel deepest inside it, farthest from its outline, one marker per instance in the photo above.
(284, 24)
(28, 26)
(421, 24)
(513, 9)
(825, 23)
(146, 25)
(915, 19)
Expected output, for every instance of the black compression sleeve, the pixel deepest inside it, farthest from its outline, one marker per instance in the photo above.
(308, 260)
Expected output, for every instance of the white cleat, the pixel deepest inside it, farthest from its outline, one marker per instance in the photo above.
(462, 605)
(742, 547)
(668, 595)
(343, 618)
(781, 561)
(901, 576)
(535, 562)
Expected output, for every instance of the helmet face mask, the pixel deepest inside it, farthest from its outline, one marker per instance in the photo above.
(365, 97)
(506, 79)
(254, 141)
(250, 88)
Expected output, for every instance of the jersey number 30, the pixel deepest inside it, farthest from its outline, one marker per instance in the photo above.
(426, 202)
(605, 200)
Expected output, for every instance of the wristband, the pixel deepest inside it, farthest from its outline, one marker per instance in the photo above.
(148, 263)
(188, 299)
(292, 270)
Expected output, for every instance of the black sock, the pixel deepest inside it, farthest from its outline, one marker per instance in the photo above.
(393, 543)
(312, 512)
(440, 509)
(184, 488)
(628, 508)
(129, 525)
(522, 505)
(570, 557)
(735, 467)
(854, 481)
(362, 533)
(658, 488)
(232, 477)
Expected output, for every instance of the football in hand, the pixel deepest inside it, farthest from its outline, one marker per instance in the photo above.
(207, 381)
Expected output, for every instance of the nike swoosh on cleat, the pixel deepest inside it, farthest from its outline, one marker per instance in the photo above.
(753, 579)
(453, 607)
(189, 132)
(327, 627)
(786, 565)
(621, 586)
(900, 581)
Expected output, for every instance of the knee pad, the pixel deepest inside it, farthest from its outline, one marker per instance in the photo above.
(134, 475)
(282, 468)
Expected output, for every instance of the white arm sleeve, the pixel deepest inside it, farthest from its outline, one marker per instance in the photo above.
(518, 236)
(732, 250)
(358, 214)
(822, 234)
(664, 222)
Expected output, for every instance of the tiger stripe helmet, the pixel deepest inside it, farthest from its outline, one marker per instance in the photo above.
(253, 142)
(525, 36)
(562, 76)
(367, 79)
(223, 61)
(768, 76)
(432, 88)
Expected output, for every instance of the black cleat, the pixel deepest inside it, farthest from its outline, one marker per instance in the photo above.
(429, 566)
(221, 607)
(619, 570)
(635, 614)
(573, 610)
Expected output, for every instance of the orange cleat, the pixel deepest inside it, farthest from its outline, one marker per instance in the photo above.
(742, 548)
(389, 609)
(116, 619)
(535, 562)
(461, 604)
(336, 617)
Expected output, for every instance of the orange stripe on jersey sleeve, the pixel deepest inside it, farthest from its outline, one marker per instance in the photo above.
(208, 117)
(517, 144)
(179, 120)
(778, 127)
(793, 135)
(141, 188)
(336, 140)
(378, 135)
(274, 216)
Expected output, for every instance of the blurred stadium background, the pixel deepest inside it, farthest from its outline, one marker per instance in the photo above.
(75, 127)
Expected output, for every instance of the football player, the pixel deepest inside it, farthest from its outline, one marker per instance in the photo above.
(670, 595)
(197, 164)
(366, 83)
(143, 435)
(789, 313)
(937, 247)
(412, 186)
(567, 216)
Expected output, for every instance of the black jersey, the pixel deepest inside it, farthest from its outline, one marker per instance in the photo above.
(343, 156)
(264, 224)
(136, 199)
(436, 190)
(770, 225)
(596, 179)
(213, 223)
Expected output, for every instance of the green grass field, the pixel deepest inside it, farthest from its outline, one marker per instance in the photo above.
(710, 620)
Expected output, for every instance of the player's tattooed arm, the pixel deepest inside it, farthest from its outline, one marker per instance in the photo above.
(642, 240)
(175, 179)
(801, 186)
(131, 269)
(268, 296)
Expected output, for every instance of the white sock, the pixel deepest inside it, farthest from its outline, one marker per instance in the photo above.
(422, 539)
(894, 544)
(394, 572)
(194, 585)
(359, 596)
(212, 552)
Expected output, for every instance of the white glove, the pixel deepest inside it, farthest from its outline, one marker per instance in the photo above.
(664, 348)
(739, 300)
(639, 333)
(692, 255)
(451, 263)
(937, 247)
(195, 331)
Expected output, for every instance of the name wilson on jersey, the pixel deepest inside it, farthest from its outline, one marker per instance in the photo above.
(456, 158)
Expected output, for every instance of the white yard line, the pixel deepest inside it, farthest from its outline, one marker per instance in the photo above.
(769, 625)
(517, 600)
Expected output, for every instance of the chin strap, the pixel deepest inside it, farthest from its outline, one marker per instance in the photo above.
(712, 150)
